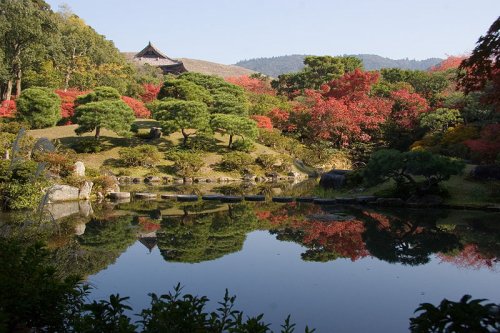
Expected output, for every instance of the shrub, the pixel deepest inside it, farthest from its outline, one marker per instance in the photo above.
(103, 183)
(246, 146)
(486, 148)
(143, 155)
(140, 110)
(186, 164)
(13, 127)
(263, 122)
(235, 161)
(87, 145)
(60, 163)
(267, 161)
(39, 107)
(7, 109)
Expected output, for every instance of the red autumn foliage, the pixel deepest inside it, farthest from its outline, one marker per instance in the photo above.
(452, 62)
(252, 84)
(346, 119)
(487, 147)
(351, 86)
(150, 92)
(280, 119)
(343, 237)
(68, 102)
(147, 225)
(407, 108)
(263, 122)
(469, 257)
(7, 109)
(140, 110)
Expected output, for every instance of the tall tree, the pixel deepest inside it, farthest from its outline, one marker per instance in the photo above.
(28, 24)
(233, 125)
(185, 116)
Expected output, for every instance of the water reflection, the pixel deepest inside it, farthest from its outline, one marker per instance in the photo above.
(91, 239)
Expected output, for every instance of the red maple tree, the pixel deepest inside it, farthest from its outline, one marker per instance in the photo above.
(150, 92)
(140, 110)
(452, 62)
(252, 84)
(263, 122)
(487, 147)
(68, 98)
(407, 108)
(7, 109)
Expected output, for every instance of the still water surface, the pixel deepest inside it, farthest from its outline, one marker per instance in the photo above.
(337, 269)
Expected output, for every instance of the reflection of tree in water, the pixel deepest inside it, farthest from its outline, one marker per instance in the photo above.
(100, 245)
(407, 236)
(197, 238)
(480, 239)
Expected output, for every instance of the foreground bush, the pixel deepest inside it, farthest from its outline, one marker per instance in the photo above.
(235, 161)
(39, 107)
(144, 155)
(186, 164)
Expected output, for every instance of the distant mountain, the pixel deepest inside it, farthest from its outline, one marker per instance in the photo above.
(275, 66)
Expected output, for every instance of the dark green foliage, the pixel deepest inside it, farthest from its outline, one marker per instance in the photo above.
(246, 146)
(401, 167)
(467, 315)
(182, 116)
(114, 115)
(267, 161)
(143, 155)
(233, 125)
(235, 161)
(184, 90)
(12, 127)
(440, 119)
(39, 107)
(226, 103)
(87, 145)
(186, 164)
(98, 95)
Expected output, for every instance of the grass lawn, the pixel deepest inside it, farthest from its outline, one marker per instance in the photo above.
(108, 158)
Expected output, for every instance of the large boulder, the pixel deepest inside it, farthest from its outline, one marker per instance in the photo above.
(61, 210)
(334, 179)
(62, 193)
(486, 172)
(85, 190)
(79, 169)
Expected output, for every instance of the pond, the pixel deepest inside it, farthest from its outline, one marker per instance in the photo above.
(334, 268)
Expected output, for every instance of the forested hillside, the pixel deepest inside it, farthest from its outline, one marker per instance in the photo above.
(275, 66)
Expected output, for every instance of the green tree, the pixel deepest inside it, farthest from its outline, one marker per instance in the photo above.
(114, 115)
(185, 116)
(98, 95)
(39, 107)
(227, 103)
(317, 71)
(27, 24)
(403, 168)
(233, 125)
(184, 90)
(441, 119)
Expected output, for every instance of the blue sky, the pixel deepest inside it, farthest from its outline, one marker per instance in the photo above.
(226, 31)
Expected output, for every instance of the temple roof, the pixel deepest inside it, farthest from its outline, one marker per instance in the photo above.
(152, 56)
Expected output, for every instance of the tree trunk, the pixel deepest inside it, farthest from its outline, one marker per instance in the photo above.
(67, 77)
(186, 136)
(8, 91)
(230, 141)
(18, 82)
(97, 132)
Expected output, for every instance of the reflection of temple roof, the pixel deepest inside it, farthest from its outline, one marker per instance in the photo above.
(149, 242)
(150, 55)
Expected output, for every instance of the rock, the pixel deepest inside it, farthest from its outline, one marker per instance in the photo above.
(155, 133)
(80, 229)
(85, 190)
(390, 202)
(346, 201)
(272, 174)
(305, 199)
(136, 180)
(211, 197)
(425, 200)
(124, 180)
(333, 179)
(178, 181)
(276, 191)
(200, 180)
(223, 179)
(366, 199)
(167, 179)
(321, 201)
(230, 198)
(167, 196)
(294, 174)
(188, 180)
(119, 195)
(62, 193)
(145, 195)
(255, 198)
(283, 199)
(79, 169)
(152, 179)
(63, 209)
(85, 208)
(187, 198)
(249, 178)
(486, 172)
